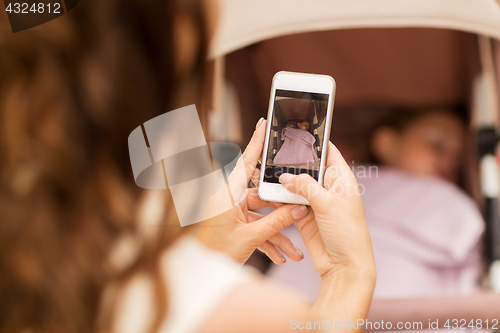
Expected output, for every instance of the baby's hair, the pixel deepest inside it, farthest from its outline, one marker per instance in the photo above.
(399, 118)
(295, 122)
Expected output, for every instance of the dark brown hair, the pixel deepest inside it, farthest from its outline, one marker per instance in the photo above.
(400, 118)
(71, 91)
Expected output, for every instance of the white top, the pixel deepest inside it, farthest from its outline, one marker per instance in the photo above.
(198, 280)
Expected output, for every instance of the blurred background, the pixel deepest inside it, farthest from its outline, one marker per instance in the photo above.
(417, 95)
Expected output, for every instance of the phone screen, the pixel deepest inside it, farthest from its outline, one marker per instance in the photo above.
(297, 132)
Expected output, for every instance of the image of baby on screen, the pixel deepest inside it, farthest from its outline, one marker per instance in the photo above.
(298, 144)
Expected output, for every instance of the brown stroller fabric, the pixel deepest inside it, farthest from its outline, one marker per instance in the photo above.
(373, 67)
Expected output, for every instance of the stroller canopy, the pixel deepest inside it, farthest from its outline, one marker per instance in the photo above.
(244, 22)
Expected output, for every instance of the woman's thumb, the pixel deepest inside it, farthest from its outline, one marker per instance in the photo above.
(276, 221)
(303, 185)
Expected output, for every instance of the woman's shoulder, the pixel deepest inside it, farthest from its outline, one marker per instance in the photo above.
(208, 292)
(260, 306)
(198, 279)
(188, 254)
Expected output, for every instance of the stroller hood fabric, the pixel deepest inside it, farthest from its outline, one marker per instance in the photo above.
(244, 22)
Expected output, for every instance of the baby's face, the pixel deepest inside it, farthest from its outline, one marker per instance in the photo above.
(432, 145)
(304, 125)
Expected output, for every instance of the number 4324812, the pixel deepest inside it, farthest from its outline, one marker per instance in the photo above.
(36, 8)
(473, 324)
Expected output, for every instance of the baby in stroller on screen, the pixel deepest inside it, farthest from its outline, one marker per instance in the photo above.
(298, 144)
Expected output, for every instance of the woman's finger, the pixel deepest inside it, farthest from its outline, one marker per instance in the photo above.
(280, 240)
(269, 225)
(337, 172)
(255, 202)
(253, 216)
(256, 177)
(247, 162)
(286, 246)
(254, 148)
(272, 252)
(310, 234)
(306, 186)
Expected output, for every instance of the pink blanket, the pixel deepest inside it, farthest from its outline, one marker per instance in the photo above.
(298, 147)
(425, 235)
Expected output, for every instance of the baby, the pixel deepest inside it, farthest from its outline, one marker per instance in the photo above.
(303, 125)
(298, 144)
(426, 143)
(425, 230)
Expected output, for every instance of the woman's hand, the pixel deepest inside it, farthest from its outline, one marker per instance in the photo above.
(239, 231)
(338, 237)
(338, 241)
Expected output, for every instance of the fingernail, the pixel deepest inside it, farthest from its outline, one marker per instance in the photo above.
(299, 252)
(299, 212)
(259, 122)
(282, 257)
(285, 178)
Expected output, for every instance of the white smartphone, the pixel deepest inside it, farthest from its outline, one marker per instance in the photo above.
(298, 129)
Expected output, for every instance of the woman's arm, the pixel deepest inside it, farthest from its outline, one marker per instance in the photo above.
(262, 306)
(336, 236)
(338, 241)
(344, 297)
(268, 307)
